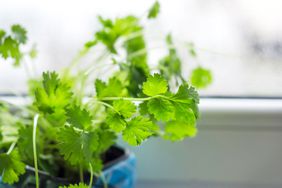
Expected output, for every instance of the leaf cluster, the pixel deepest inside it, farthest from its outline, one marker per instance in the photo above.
(11, 43)
(135, 103)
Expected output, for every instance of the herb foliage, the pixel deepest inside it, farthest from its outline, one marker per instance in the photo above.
(133, 103)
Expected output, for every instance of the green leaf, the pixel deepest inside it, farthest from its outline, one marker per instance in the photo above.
(106, 139)
(90, 44)
(80, 185)
(201, 77)
(77, 146)
(126, 27)
(195, 109)
(177, 131)
(113, 30)
(2, 35)
(170, 65)
(137, 76)
(133, 46)
(97, 165)
(162, 109)
(155, 85)
(115, 121)
(138, 130)
(57, 118)
(11, 167)
(138, 69)
(53, 95)
(19, 33)
(79, 117)
(186, 94)
(33, 52)
(143, 108)
(106, 35)
(10, 48)
(100, 87)
(191, 49)
(10, 44)
(116, 88)
(50, 82)
(9, 125)
(185, 100)
(106, 22)
(125, 108)
(184, 113)
(108, 39)
(154, 10)
(113, 89)
(25, 145)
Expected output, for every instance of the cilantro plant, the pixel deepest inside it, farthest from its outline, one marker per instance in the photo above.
(12, 42)
(75, 116)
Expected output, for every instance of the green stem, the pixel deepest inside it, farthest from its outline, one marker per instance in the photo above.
(104, 180)
(91, 176)
(5, 143)
(76, 60)
(34, 149)
(81, 173)
(96, 68)
(11, 148)
(100, 100)
(138, 53)
(92, 67)
(131, 98)
(133, 35)
(82, 88)
(106, 104)
(145, 50)
(125, 98)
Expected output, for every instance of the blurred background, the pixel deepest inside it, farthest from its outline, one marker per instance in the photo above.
(239, 144)
(239, 40)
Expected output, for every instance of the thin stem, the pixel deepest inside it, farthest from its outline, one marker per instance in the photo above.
(78, 56)
(82, 88)
(92, 67)
(106, 104)
(26, 69)
(100, 100)
(145, 50)
(133, 35)
(138, 53)
(98, 67)
(131, 98)
(11, 148)
(34, 149)
(125, 98)
(91, 176)
(4, 143)
(104, 180)
(81, 173)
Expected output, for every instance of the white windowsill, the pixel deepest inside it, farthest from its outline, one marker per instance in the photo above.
(218, 112)
(259, 113)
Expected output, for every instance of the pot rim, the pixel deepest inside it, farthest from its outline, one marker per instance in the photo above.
(108, 165)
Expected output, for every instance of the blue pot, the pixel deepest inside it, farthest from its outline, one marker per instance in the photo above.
(121, 174)
(118, 174)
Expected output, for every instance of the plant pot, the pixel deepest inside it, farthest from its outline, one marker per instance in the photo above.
(119, 172)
